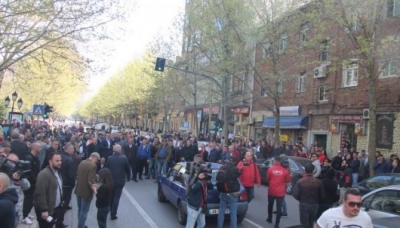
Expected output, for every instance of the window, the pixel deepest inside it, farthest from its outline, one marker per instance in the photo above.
(202, 59)
(301, 83)
(187, 1)
(392, 8)
(196, 37)
(350, 74)
(304, 28)
(266, 52)
(263, 93)
(323, 93)
(324, 52)
(282, 42)
(280, 86)
(384, 201)
(389, 68)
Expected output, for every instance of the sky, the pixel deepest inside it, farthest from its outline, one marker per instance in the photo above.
(148, 19)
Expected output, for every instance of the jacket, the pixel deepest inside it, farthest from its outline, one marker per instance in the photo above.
(68, 170)
(189, 152)
(19, 148)
(196, 192)
(44, 198)
(143, 152)
(85, 178)
(154, 149)
(35, 169)
(120, 168)
(380, 167)
(331, 188)
(168, 153)
(309, 190)
(277, 177)
(8, 199)
(131, 152)
(355, 166)
(250, 174)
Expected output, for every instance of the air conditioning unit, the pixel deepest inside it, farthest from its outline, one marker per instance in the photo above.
(366, 113)
(320, 72)
(236, 118)
(250, 121)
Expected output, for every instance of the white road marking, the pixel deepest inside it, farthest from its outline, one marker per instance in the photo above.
(252, 223)
(140, 209)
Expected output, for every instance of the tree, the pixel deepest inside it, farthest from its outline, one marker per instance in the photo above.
(29, 27)
(364, 23)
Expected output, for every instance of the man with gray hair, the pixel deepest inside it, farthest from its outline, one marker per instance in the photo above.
(86, 186)
(119, 166)
(8, 199)
(17, 147)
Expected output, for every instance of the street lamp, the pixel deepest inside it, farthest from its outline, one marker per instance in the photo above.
(14, 97)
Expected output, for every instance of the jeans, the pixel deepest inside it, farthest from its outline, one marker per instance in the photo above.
(27, 204)
(83, 209)
(355, 179)
(250, 193)
(194, 216)
(308, 213)
(152, 167)
(284, 207)
(102, 216)
(162, 165)
(227, 200)
(271, 200)
(115, 196)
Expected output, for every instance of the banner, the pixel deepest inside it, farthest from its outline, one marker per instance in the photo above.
(384, 131)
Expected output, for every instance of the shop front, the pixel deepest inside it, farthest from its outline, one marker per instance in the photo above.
(291, 124)
(207, 124)
(347, 130)
(241, 115)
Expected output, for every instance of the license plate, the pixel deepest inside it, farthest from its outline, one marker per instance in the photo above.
(216, 211)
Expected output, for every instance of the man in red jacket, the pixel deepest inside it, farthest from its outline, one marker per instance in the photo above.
(277, 177)
(250, 174)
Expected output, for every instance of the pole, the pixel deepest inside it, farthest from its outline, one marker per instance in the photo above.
(210, 112)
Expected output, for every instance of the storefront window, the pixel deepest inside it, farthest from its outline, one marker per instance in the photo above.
(347, 134)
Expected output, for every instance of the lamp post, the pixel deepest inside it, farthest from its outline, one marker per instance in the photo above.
(14, 97)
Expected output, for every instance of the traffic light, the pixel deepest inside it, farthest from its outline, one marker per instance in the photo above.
(47, 110)
(221, 125)
(160, 64)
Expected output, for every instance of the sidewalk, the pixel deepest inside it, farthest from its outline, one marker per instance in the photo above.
(68, 219)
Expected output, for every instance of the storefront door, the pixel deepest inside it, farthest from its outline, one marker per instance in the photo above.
(321, 140)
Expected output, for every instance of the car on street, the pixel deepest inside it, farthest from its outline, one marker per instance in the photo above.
(296, 165)
(383, 206)
(378, 181)
(172, 188)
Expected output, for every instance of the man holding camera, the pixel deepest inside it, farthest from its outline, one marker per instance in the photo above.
(229, 187)
(197, 196)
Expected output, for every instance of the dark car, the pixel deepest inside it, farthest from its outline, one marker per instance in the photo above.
(296, 165)
(378, 181)
(173, 188)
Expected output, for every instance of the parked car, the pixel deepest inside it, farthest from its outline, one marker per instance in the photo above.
(383, 206)
(172, 188)
(378, 181)
(296, 165)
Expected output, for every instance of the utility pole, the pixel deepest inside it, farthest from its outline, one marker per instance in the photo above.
(210, 112)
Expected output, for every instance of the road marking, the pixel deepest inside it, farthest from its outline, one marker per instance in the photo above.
(252, 223)
(140, 209)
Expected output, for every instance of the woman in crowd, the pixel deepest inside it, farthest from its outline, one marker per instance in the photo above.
(104, 197)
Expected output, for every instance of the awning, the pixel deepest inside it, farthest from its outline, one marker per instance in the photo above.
(287, 122)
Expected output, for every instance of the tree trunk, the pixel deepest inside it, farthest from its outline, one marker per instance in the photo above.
(277, 141)
(371, 139)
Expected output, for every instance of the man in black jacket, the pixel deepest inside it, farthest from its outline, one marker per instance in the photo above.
(17, 147)
(197, 198)
(189, 151)
(68, 173)
(35, 169)
(331, 194)
(131, 152)
(53, 149)
(8, 199)
(120, 169)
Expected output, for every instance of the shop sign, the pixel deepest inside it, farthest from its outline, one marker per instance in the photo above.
(260, 118)
(334, 128)
(284, 138)
(289, 111)
(243, 110)
(214, 110)
(347, 119)
(384, 131)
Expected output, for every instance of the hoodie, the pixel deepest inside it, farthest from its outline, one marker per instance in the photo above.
(8, 199)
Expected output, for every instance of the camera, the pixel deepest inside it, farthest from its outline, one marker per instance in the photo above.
(23, 168)
(195, 168)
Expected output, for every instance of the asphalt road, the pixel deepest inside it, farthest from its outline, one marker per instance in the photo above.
(140, 208)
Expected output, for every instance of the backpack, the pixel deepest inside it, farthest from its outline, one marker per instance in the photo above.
(225, 182)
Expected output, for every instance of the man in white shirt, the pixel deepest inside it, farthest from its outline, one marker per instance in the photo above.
(349, 215)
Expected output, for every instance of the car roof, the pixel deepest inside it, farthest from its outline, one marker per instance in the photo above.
(390, 187)
(214, 166)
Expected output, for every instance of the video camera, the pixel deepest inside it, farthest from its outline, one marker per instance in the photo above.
(23, 168)
(195, 168)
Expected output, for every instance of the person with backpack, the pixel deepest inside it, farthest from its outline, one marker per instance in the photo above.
(196, 192)
(229, 187)
(277, 177)
(250, 174)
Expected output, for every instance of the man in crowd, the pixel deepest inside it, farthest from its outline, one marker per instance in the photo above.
(53, 149)
(34, 162)
(277, 177)
(86, 186)
(189, 151)
(349, 215)
(17, 147)
(317, 165)
(131, 152)
(250, 174)
(142, 157)
(155, 146)
(308, 191)
(106, 146)
(120, 169)
(48, 193)
(163, 157)
(8, 199)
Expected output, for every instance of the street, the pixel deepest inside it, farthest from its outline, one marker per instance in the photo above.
(139, 207)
